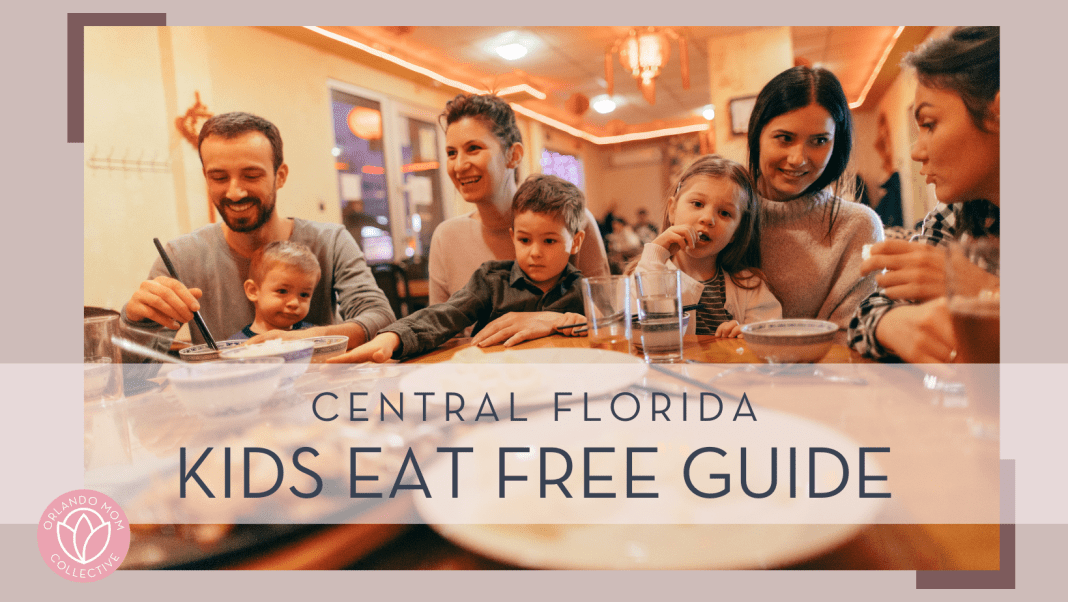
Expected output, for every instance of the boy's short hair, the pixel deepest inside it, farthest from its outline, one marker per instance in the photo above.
(283, 252)
(554, 196)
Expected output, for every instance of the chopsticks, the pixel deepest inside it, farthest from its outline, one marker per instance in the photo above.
(633, 318)
(196, 315)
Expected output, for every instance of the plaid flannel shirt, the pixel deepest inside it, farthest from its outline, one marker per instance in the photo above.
(939, 227)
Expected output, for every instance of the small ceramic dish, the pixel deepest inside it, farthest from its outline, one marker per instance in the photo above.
(790, 341)
(328, 346)
(204, 353)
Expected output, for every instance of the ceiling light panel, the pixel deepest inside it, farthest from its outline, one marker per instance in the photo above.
(511, 40)
(604, 105)
(511, 52)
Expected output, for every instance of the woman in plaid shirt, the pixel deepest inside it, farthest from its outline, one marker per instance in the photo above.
(957, 109)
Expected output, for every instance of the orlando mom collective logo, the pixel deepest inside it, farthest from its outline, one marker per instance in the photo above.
(83, 535)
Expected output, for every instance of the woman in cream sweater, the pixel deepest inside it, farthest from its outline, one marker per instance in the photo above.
(800, 137)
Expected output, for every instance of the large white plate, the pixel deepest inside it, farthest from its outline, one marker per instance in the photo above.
(532, 375)
(772, 532)
(648, 547)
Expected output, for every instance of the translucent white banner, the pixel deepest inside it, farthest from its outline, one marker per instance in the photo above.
(551, 444)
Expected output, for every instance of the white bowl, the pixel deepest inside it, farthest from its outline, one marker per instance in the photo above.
(204, 353)
(328, 346)
(296, 354)
(790, 341)
(227, 387)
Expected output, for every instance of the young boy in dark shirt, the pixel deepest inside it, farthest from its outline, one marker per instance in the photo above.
(547, 215)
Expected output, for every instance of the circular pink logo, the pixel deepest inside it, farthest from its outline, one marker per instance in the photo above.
(83, 535)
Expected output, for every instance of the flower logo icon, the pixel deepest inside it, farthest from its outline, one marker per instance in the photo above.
(83, 535)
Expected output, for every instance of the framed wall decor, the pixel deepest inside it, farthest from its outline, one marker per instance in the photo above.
(740, 110)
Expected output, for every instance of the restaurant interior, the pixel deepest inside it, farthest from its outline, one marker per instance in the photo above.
(358, 109)
(618, 111)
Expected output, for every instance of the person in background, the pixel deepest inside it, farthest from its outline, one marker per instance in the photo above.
(605, 224)
(484, 148)
(958, 111)
(645, 229)
(242, 163)
(281, 281)
(623, 245)
(547, 216)
(712, 234)
(800, 137)
(889, 205)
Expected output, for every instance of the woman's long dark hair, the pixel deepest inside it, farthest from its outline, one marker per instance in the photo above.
(968, 62)
(794, 89)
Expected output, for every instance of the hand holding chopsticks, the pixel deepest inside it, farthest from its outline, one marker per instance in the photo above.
(196, 315)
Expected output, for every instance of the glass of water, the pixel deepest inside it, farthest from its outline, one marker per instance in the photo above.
(607, 303)
(660, 315)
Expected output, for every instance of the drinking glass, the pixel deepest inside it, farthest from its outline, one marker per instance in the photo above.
(102, 359)
(973, 295)
(107, 435)
(660, 314)
(607, 302)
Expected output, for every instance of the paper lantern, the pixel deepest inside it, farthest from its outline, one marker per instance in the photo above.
(365, 123)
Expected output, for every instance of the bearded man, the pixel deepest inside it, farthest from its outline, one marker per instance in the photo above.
(241, 155)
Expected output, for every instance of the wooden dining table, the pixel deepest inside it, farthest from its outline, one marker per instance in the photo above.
(390, 542)
(696, 348)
